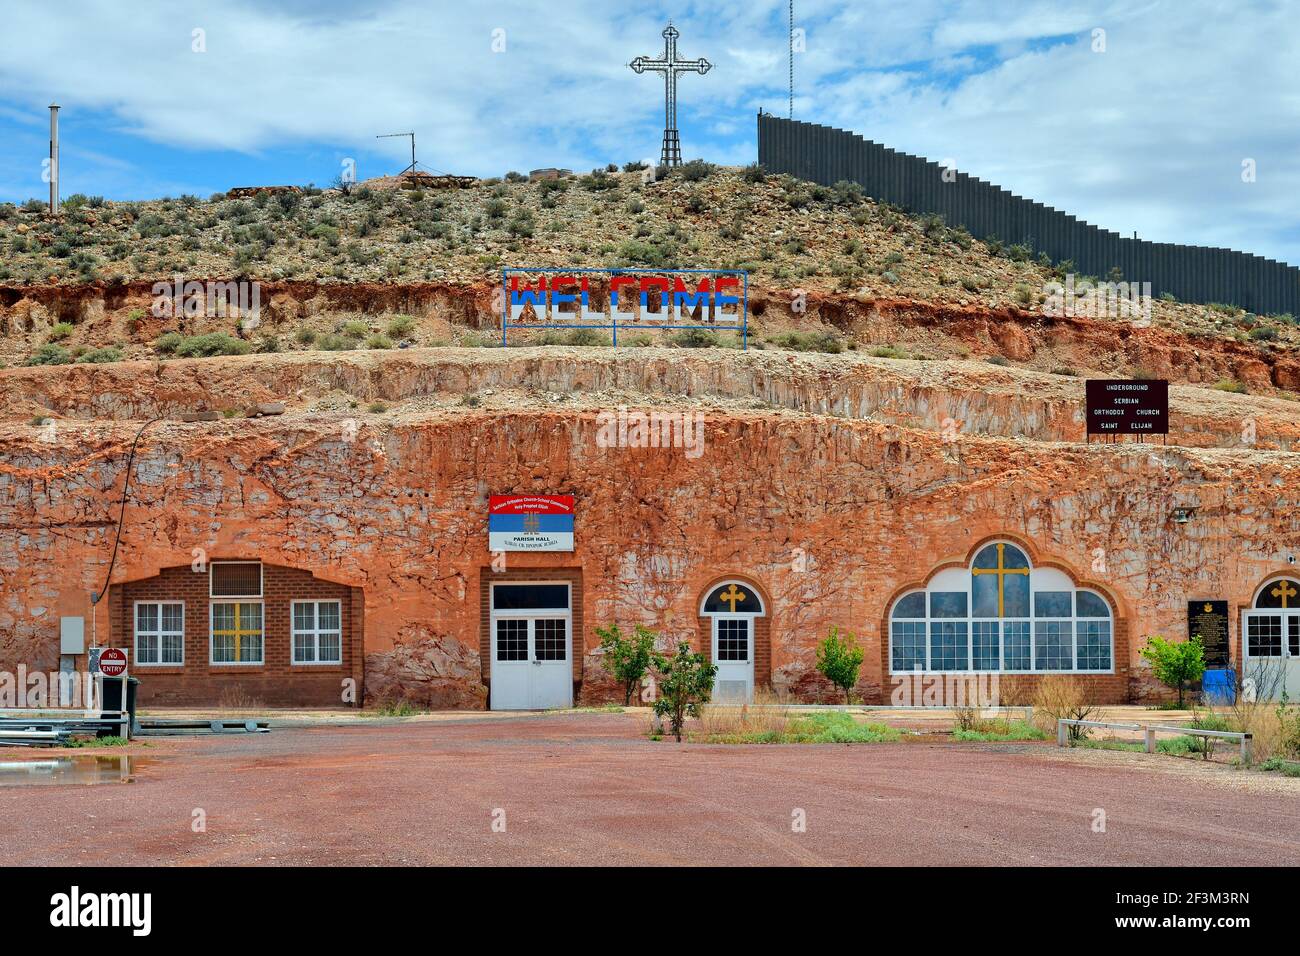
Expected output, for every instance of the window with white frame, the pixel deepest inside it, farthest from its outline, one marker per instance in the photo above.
(1001, 615)
(317, 632)
(159, 632)
(237, 632)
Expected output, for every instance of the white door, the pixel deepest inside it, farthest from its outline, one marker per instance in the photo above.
(1272, 654)
(733, 653)
(531, 648)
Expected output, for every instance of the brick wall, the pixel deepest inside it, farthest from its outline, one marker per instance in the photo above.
(275, 682)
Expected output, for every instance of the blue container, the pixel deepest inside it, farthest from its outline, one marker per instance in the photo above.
(1219, 686)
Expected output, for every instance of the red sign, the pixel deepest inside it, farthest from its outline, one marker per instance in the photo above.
(530, 505)
(112, 663)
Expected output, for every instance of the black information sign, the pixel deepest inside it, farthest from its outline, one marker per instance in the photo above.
(1210, 620)
(1120, 407)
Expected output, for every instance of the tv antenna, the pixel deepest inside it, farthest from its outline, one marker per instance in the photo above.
(791, 55)
(412, 135)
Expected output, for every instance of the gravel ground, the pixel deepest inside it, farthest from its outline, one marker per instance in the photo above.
(588, 789)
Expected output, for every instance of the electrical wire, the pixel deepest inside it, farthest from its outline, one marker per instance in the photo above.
(121, 514)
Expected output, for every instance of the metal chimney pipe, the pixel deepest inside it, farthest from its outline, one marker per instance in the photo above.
(54, 159)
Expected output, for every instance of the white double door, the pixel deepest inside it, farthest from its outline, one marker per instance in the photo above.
(1271, 649)
(733, 653)
(531, 663)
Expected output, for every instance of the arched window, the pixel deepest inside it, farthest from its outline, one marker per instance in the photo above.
(1281, 593)
(1003, 615)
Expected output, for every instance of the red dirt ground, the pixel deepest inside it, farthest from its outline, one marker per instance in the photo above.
(587, 789)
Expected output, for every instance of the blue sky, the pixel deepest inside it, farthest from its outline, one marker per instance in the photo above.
(1146, 130)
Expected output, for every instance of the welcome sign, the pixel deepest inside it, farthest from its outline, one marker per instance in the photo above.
(530, 523)
(711, 299)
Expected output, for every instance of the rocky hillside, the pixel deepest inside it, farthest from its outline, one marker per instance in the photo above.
(75, 287)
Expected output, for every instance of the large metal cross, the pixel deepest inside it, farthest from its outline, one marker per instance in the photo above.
(670, 66)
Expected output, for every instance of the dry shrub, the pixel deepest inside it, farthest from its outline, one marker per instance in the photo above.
(234, 697)
(1015, 690)
(1062, 697)
(772, 718)
(1274, 727)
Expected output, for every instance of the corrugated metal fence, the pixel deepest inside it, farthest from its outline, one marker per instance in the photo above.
(1190, 273)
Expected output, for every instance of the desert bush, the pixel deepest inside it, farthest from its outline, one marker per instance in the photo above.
(1062, 697)
(212, 343)
(628, 659)
(401, 326)
(50, 354)
(167, 343)
(839, 659)
(379, 341)
(335, 343)
(1176, 663)
(817, 341)
(110, 353)
(60, 330)
(695, 339)
(697, 170)
(754, 173)
(685, 685)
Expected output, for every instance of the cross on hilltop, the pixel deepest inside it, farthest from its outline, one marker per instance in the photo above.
(670, 66)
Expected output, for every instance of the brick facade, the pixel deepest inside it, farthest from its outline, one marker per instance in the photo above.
(277, 681)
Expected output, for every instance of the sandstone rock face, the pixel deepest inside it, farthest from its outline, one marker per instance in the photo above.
(829, 515)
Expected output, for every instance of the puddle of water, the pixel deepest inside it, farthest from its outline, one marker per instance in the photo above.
(77, 769)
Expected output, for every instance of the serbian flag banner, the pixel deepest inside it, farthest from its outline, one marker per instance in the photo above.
(530, 523)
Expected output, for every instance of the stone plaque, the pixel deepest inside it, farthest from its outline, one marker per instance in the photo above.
(1210, 620)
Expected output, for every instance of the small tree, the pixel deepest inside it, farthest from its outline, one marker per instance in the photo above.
(685, 683)
(1176, 664)
(627, 658)
(839, 659)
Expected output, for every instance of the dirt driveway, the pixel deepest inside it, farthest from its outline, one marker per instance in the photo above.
(587, 789)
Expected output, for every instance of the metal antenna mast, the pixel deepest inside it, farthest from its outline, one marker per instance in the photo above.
(670, 67)
(791, 38)
(412, 135)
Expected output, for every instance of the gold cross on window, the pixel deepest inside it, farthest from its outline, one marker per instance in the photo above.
(1001, 571)
(238, 631)
(1284, 590)
(732, 595)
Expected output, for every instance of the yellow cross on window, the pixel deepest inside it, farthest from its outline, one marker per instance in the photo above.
(732, 595)
(239, 629)
(1001, 571)
(1284, 590)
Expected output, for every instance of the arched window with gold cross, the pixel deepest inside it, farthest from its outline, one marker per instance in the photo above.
(1001, 615)
(1283, 593)
(732, 609)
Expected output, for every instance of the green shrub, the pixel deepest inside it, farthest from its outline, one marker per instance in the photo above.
(167, 343)
(819, 341)
(356, 329)
(627, 659)
(695, 339)
(335, 343)
(304, 336)
(401, 326)
(685, 684)
(99, 356)
(839, 659)
(50, 354)
(60, 330)
(695, 171)
(587, 337)
(379, 341)
(212, 343)
(1176, 664)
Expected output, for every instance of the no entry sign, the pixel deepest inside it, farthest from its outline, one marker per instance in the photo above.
(112, 662)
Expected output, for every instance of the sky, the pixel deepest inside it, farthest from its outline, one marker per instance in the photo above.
(1144, 116)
